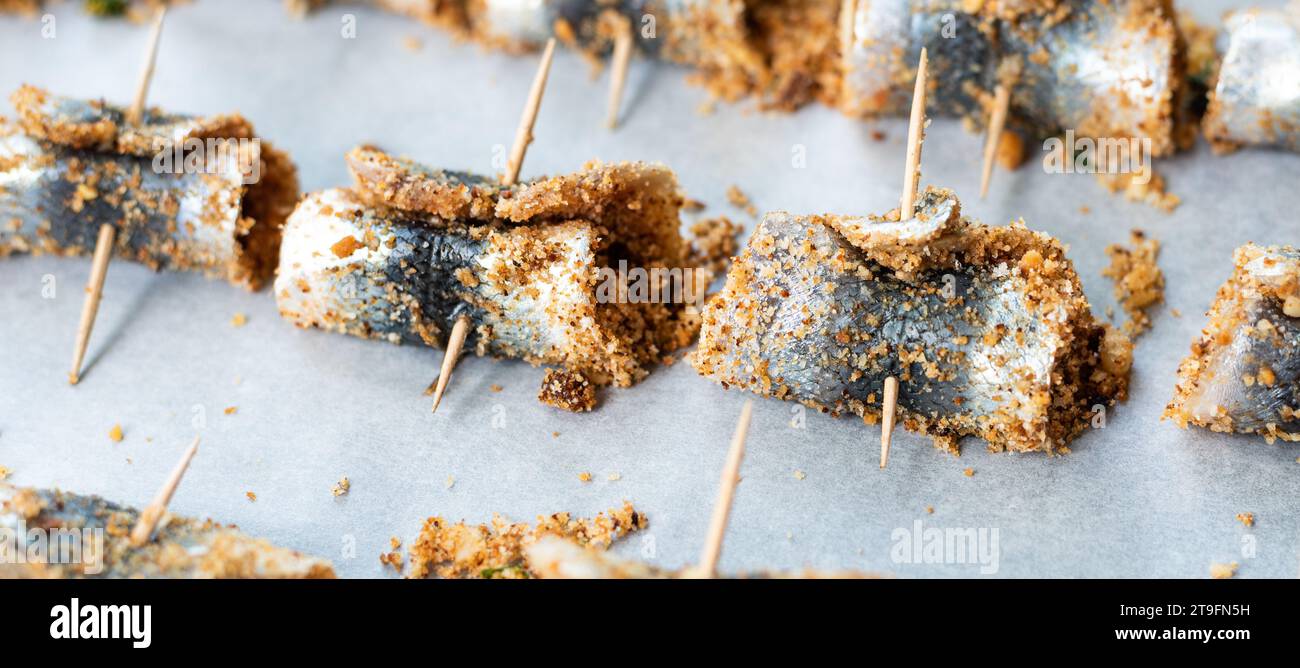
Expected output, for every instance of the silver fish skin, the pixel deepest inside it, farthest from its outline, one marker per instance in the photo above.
(1256, 101)
(406, 279)
(186, 221)
(1244, 373)
(197, 193)
(180, 548)
(1105, 69)
(812, 312)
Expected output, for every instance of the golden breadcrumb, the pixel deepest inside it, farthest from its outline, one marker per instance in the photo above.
(1139, 283)
(458, 550)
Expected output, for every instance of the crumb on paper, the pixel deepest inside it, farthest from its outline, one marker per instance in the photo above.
(412, 43)
(1223, 571)
(497, 549)
(1246, 519)
(968, 472)
(1139, 283)
(115, 434)
(567, 390)
(5, 472)
(238, 320)
(341, 487)
(451, 481)
(713, 243)
(231, 410)
(799, 475)
(495, 388)
(251, 496)
(692, 205)
(879, 135)
(1085, 209)
(929, 510)
(740, 200)
(614, 477)
(555, 434)
(584, 476)
(392, 559)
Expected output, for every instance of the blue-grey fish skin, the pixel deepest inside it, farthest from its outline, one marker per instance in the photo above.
(1243, 375)
(405, 280)
(822, 309)
(1256, 100)
(184, 193)
(1103, 69)
(90, 539)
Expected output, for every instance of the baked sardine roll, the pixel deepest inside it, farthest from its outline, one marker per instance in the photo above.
(986, 328)
(185, 193)
(98, 532)
(1243, 375)
(1256, 101)
(1102, 69)
(537, 268)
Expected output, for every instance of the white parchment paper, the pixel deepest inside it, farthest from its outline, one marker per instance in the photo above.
(1138, 498)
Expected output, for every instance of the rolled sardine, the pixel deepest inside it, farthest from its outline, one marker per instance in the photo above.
(1256, 101)
(1243, 375)
(88, 537)
(409, 250)
(185, 193)
(987, 329)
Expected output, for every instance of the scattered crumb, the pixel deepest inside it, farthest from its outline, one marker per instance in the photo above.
(929, 510)
(584, 476)
(968, 472)
(1223, 571)
(238, 320)
(1175, 312)
(451, 481)
(713, 243)
(412, 43)
(393, 558)
(1139, 283)
(5, 472)
(1152, 192)
(614, 477)
(879, 135)
(342, 487)
(707, 107)
(569, 390)
(251, 496)
(496, 388)
(692, 205)
(496, 550)
(555, 434)
(799, 475)
(346, 246)
(115, 434)
(1247, 519)
(1085, 209)
(231, 410)
(740, 200)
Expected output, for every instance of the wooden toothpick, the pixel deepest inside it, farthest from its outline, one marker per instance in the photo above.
(94, 290)
(454, 343)
(523, 137)
(524, 134)
(108, 233)
(136, 113)
(887, 419)
(915, 137)
(622, 59)
(997, 122)
(153, 512)
(708, 566)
